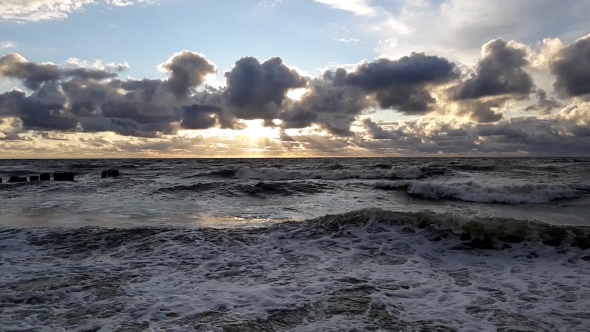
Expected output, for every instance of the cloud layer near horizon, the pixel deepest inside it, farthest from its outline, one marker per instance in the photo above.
(462, 110)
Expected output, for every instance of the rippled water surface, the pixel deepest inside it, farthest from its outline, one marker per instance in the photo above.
(423, 244)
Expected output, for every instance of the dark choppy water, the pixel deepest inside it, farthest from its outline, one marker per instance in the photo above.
(423, 244)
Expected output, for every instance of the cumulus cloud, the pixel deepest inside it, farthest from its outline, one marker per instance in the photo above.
(544, 105)
(571, 66)
(499, 73)
(403, 84)
(32, 74)
(257, 90)
(462, 110)
(187, 70)
(550, 136)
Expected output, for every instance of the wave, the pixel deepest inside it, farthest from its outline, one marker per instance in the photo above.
(480, 232)
(454, 230)
(357, 271)
(473, 167)
(533, 193)
(274, 174)
(258, 189)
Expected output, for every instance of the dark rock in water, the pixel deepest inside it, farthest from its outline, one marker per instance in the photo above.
(34, 178)
(58, 176)
(68, 176)
(110, 173)
(45, 177)
(465, 237)
(115, 172)
(0, 180)
(104, 174)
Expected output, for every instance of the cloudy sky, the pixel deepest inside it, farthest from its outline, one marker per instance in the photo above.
(288, 78)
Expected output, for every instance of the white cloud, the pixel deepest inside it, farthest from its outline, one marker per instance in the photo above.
(359, 7)
(457, 28)
(347, 40)
(39, 10)
(120, 3)
(6, 45)
(97, 64)
(47, 10)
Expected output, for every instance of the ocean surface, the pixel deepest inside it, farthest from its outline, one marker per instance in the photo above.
(387, 244)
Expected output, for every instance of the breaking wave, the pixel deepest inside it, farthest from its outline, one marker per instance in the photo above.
(364, 270)
(533, 193)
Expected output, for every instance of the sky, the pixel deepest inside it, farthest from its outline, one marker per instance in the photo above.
(294, 78)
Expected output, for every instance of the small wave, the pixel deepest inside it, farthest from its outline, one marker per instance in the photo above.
(129, 166)
(535, 193)
(282, 188)
(196, 187)
(259, 189)
(382, 166)
(273, 174)
(474, 192)
(479, 232)
(473, 167)
(335, 166)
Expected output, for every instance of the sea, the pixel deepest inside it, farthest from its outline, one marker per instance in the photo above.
(358, 244)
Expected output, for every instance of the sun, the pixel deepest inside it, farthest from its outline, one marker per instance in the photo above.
(256, 131)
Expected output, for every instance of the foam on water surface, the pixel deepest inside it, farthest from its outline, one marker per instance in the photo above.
(337, 273)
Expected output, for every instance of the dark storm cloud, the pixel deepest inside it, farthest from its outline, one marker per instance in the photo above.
(403, 84)
(481, 112)
(35, 113)
(91, 74)
(34, 75)
(200, 117)
(416, 69)
(336, 99)
(95, 100)
(187, 70)
(572, 69)
(377, 132)
(336, 77)
(333, 107)
(531, 135)
(499, 73)
(31, 74)
(544, 106)
(257, 90)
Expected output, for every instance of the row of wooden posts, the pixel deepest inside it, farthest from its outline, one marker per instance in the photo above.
(58, 176)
